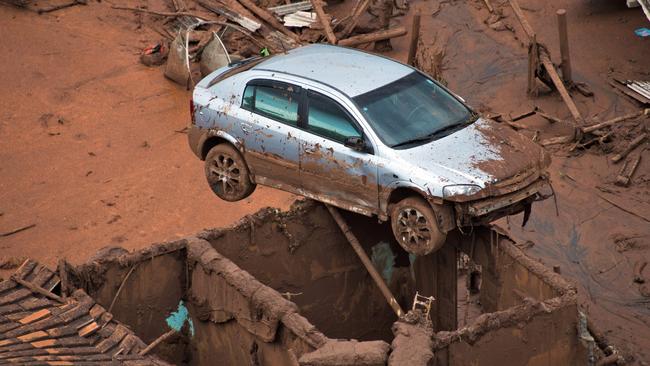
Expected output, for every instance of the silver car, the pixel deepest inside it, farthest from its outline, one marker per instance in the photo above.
(366, 134)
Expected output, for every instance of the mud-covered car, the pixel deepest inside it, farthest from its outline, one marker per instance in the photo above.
(366, 134)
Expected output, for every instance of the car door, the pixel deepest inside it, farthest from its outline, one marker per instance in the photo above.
(270, 130)
(330, 170)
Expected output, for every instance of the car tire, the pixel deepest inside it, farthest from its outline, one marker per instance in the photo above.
(227, 173)
(415, 226)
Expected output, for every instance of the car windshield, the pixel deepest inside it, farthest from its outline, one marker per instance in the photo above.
(412, 110)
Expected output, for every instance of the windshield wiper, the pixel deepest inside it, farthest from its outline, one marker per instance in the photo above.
(456, 126)
(414, 140)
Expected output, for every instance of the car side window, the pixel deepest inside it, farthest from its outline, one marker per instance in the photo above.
(328, 119)
(279, 102)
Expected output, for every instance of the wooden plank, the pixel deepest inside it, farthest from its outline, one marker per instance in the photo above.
(325, 20)
(597, 126)
(38, 289)
(10, 309)
(35, 316)
(413, 40)
(39, 334)
(14, 296)
(522, 19)
(35, 303)
(372, 37)
(550, 69)
(41, 276)
(113, 340)
(26, 268)
(88, 329)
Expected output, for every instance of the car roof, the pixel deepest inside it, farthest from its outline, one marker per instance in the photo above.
(351, 71)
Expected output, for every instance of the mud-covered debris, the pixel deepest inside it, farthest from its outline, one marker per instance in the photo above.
(155, 54)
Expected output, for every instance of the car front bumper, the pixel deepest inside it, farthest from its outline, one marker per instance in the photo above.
(492, 208)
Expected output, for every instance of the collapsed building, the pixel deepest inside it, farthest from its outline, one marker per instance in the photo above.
(286, 288)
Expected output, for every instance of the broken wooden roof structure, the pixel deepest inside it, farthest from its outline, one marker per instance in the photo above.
(37, 327)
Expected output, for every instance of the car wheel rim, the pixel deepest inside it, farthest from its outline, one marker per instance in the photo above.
(413, 228)
(226, 174)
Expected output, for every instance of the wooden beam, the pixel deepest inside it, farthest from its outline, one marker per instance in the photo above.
(612, 121)
(522, 19)
(372, 37)
(325, 20)
(37, 289)
(415, 34)
(366, 261)
(550, 69)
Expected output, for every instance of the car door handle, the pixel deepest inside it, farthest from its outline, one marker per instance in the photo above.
(310, 150)
(245, 127)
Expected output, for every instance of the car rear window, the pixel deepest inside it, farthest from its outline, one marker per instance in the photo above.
(273, 101)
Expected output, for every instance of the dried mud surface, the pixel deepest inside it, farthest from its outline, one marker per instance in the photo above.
(89, 152)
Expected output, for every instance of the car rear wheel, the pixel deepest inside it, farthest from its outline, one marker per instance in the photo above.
(227, 173)
(415, 226)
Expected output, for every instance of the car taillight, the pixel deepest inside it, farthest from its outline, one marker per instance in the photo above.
(192, 110)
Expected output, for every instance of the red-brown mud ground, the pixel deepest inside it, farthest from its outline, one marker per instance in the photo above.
(90, 154)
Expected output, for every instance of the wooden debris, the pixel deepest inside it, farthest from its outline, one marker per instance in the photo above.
(16, 231)
(550, 69)
(413, 42)
(624, 178)
(358, 10)
(548, 117)
(156, 342)
(372, 37)
(37, 289)
(557, 140)
(612, 121)
(523, 115)
(636, 142)
(325, 20)
(545, 61)
(248, 23)
(35, 316)
(637, 97)
(289, 8)
(354, 242)
(268, 17)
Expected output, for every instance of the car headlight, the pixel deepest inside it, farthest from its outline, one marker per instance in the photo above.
(460, 190)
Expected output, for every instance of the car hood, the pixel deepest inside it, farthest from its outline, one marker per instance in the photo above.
(482, 153)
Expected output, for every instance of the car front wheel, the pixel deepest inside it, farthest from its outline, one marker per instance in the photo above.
(415, 226)
(227, 173)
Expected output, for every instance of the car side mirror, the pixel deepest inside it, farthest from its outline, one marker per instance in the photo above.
(355, 143)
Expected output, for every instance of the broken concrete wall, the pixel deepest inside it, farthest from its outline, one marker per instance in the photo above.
(304, 254)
